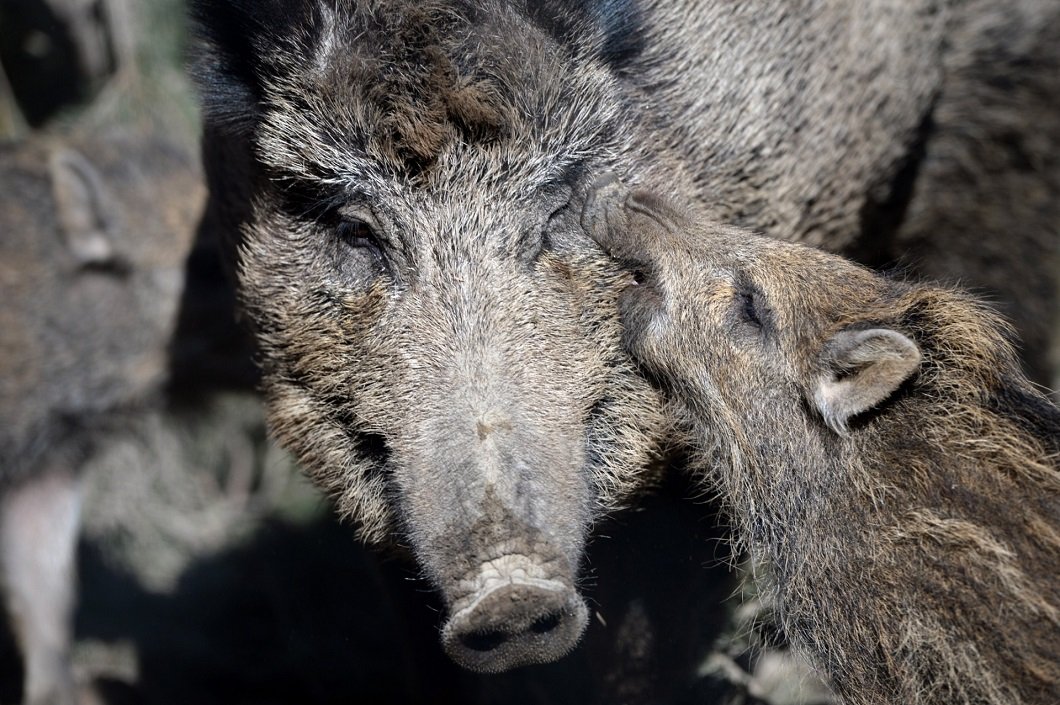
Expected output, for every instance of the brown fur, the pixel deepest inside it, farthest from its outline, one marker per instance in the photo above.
(430, 102)
(915, 554)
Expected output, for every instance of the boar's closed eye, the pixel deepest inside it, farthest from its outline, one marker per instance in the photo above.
(357, 234)
(557, 200)
(544, 238)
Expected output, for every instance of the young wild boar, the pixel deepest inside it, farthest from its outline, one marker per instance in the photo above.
(92, 242)
(394, 180)
(877, 445)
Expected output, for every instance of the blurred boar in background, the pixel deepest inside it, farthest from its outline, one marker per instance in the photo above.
(93, 236)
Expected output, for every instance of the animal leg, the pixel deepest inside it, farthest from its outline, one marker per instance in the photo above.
(39, 522)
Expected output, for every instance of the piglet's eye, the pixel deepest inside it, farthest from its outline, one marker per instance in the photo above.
(749, 308)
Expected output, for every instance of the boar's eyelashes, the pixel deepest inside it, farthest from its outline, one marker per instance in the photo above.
(357, 234)
(357, 239)
(538, 240)
(555, 222)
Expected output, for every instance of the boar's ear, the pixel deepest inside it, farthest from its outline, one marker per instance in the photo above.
(241, 45)
(859, 370)
(83, 208)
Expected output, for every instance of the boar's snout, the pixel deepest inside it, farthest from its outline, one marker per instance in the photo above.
(514, 619)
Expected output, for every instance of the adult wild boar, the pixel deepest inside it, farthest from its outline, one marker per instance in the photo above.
(396, 180)
(881, 451)
(90, 279)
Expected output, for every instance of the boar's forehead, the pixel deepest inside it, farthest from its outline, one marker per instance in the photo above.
(432, 97)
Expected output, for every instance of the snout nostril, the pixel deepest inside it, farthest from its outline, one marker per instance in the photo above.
(546, 623)
(484, 641)
(515, 624)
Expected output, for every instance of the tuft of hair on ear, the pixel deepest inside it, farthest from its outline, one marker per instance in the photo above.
(240, 44)
(861, 369)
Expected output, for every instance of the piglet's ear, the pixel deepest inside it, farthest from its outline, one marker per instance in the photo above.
(860, 370)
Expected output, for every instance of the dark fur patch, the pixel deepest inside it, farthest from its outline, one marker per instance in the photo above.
(623, 24)
(618, 21)
(1031, 411)
(407, 62)
(425, 94)
(884, 211)
(241, 38)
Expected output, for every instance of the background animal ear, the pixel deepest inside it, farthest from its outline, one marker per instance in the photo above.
(861, 369)
(82, 206)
